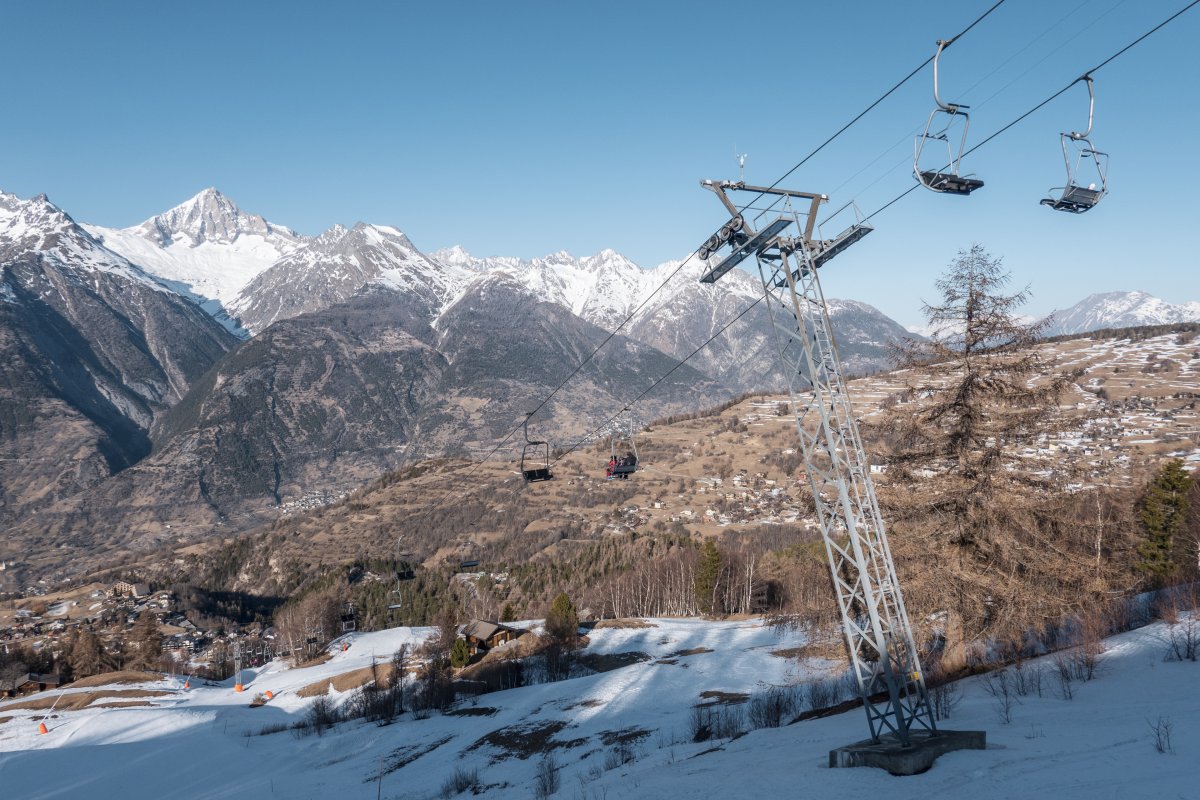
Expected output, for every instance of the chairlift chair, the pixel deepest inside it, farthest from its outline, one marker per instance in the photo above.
(1073, 197)
(624, 460)
(535, 457)
(947, 178)
(349, 619)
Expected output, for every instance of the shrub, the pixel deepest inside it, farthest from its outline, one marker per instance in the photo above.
(460, 781)
(323, 714)
(547, 781)
(769, 709)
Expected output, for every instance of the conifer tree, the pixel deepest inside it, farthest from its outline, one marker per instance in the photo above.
(965, 510)
(148, 639)
(562, 621)
(708, 574)
(87, 655)
(1163, 510)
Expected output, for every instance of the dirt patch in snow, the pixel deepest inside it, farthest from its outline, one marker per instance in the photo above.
(624, 736)
(122, 704)
(723, 698)
(348, 681)
(695, 651)
(526, 740)
(403, 756)
(77, 700)
(472, 711)
(632, 622)
(109, 678)
(606, 662)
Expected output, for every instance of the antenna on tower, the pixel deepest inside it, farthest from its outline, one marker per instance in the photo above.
(741, 159)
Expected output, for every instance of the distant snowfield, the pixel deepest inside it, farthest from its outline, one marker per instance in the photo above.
(215, 270)
(192, 744)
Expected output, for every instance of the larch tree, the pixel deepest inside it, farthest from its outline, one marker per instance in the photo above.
(148, 639)
(966, 511)
(87, 654)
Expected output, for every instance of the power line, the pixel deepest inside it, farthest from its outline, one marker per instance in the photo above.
(1048, 100)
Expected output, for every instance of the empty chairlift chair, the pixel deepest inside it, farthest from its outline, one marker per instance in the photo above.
(535, 457)
(1074, 197)
(946, 178)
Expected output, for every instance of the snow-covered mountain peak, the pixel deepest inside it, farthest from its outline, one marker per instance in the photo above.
(207, 246)
(1120, 310)
(37, 226)
(209, 217)
(35, 216)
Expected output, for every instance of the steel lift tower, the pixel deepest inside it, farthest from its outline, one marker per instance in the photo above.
(878, 635)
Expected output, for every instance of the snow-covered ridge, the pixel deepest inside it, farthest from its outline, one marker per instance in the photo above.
(1120, 310)
(37, 226)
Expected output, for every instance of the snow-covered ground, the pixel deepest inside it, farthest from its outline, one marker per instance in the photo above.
(195, 743)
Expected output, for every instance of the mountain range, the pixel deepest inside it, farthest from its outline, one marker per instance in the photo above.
(199, 370)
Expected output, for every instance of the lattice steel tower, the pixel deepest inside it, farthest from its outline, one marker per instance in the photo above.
(878, 635)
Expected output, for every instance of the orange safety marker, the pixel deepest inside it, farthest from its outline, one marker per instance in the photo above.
(237, 687)
(187, 684)
(345, 646)
(42, 729)
(269, 694)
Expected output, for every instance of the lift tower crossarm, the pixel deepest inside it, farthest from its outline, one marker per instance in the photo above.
(875, 623)
(719, 189)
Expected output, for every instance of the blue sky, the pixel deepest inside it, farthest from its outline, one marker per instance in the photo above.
(522, 128)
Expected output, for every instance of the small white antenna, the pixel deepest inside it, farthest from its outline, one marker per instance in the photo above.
(741, 159)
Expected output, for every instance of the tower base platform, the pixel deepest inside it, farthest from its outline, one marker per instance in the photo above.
(918, 756)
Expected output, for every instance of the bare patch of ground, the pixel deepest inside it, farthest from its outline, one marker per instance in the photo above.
(315, 662)
(403, 756)
(472, 711)
(592, 702)
(347, 681)
(606, 662)
(629, 622)
(122, 704)
(723, 698)
(695, 651)
(526, 740)
(77, 700)
(125, 676)
(624, 736)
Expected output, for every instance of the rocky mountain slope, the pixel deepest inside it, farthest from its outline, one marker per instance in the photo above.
(92, 351)
(322, 403)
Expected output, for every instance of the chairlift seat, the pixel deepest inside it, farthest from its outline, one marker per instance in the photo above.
(537, 474)
(1075, 199)
(950, 183)
(842, 241)
(624, 470)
